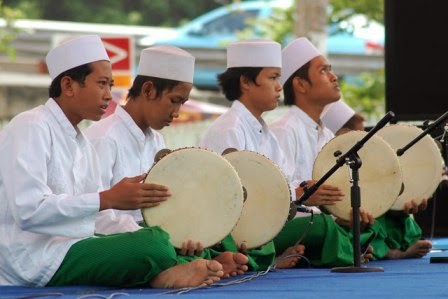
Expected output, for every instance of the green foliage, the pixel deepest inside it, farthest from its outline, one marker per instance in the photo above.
(278, 27)
(8, 33)
(366, 93)
(341, 9)
(126, 12)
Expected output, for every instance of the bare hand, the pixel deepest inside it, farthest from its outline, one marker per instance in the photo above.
(132, 194)
(324, 195)
(190, 248)
(411, 207)
(366, 220)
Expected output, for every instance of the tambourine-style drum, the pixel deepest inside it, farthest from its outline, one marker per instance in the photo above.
(380, 177)
(421, 164)
(207, 196)
(268, 200)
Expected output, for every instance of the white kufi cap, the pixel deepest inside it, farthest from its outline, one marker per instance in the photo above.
(336, 114)
(75, 52)
(167, 62)
(295, 55)
(254, 53)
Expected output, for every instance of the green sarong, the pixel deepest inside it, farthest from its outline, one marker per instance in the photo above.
(120, 260)
(396, 231)
(327, 244)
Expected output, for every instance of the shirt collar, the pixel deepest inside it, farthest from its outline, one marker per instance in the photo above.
(258, 124)
(131, 125)
(306, 119)
(61, 118)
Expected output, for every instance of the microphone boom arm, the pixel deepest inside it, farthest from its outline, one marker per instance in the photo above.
(402, 150)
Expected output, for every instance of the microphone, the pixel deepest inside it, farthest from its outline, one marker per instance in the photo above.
(304, 209)
(300, 207)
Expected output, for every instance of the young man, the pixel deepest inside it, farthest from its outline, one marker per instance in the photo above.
(251, 81)
(310, 85)
(127, 141)
(50, 190)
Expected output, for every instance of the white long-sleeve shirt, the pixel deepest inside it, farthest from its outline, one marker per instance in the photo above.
(49, 184)
(238, 128)
(124, 150)
(301, 139)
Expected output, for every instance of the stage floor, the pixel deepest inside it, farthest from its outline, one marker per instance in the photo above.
(409, 278)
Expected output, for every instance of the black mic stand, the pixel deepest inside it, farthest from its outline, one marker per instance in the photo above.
(354, 161)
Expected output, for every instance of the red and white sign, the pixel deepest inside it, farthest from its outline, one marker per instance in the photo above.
(120, 51)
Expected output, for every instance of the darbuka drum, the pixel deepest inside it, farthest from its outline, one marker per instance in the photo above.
(266, 207)
(207, 196)
(380, 176)
(421, 164)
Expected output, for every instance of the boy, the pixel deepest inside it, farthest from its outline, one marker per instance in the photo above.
(127, 141)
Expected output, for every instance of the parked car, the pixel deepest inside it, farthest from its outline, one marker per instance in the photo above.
(217, 28)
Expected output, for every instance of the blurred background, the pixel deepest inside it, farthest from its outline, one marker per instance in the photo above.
(350, 33)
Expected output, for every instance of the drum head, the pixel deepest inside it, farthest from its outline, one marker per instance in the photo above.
(379, 176)
(206, 200)
(421, 164)
(267, 205)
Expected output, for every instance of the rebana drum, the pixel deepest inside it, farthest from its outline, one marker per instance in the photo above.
(268, 202)
(380, 177)
(207, 196)
(421, 164)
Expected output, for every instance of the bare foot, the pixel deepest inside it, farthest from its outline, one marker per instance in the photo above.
(417, 250)
(233, 263)
(282, 263)
(196, 273)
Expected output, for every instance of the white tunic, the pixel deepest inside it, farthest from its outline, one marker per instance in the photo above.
(124, 150)
(238, 128)
(301, 139)
(48, 194)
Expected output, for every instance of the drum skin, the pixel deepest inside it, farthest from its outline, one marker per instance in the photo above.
(268, 202)
(421, 164)
(206, 201)
(380, 177)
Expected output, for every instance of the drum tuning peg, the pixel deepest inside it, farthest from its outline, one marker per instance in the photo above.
(244, 194)
(337, 153)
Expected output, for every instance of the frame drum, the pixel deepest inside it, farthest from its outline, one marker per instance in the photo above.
(268, 201)
(380, 177)
(207, 196)
(421, 164)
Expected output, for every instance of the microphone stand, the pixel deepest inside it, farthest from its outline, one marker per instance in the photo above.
(354, 161)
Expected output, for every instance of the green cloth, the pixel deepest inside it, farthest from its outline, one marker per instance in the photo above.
(259, 258)
(397, 231)
(327, 244)
(119, 260)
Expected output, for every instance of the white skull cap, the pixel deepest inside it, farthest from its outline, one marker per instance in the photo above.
(75, 52)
